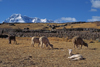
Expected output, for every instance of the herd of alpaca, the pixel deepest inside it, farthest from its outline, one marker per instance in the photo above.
(76, 42)
(44, 41)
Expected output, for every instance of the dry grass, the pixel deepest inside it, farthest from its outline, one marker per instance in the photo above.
(35, 26)
(23, 55)
(31, 26)
(82, 25)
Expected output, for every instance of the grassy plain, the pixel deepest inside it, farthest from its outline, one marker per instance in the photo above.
(23, 54)
(35, 26)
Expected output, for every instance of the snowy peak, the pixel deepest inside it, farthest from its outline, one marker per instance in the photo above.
(36, 20)
(18, 18)
(14, 18)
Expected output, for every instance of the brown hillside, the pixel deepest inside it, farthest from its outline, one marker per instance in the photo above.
(35, 26)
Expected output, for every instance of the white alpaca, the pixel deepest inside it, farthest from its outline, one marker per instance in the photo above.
(74, 56)
(34, 40)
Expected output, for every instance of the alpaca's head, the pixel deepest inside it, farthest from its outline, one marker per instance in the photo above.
(70, 52)
(51, 45)
(85, 44)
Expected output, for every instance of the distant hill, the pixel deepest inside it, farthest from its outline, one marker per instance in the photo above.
(35, 26)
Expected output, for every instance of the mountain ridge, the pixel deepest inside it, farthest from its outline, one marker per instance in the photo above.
(18, 18)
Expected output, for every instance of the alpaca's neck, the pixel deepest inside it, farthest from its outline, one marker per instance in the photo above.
(84, 43)
(70, 52)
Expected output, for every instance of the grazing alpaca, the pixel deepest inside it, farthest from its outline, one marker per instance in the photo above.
(78, 41)
(75, 56)
(34, 40)
(12, 38)
(44, 40)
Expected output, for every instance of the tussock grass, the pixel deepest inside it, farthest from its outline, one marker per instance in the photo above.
(82, 25)
(31, 26)
(35, 26)
(23, 54)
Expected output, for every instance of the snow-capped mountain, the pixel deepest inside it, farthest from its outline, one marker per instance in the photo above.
(18, 18)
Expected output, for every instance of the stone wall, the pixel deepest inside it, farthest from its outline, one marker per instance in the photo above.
(86, 33)
(69, 34)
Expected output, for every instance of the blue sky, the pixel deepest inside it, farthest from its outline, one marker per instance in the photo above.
(57, 10)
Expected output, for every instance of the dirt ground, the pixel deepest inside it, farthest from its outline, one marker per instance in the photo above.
(23, 54)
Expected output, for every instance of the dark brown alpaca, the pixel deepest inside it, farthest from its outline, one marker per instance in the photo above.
(78, 41)
(12, 38)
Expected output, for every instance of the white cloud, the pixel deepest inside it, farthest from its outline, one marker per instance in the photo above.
(93, 10)
(94, 18)
(95, 3)
(65, 19)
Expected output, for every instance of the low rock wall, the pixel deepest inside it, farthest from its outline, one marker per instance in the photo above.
(57, 33)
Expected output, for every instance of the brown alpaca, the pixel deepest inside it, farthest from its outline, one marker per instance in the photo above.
(12, 38)
(78, 41)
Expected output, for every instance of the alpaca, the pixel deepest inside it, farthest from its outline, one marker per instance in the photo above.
(34, 40)
(78, 41)
(12, 37)
(44, 40)
(74, 56)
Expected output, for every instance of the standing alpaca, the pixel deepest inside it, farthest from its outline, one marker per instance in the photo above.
(78, 41)
(12, 37)
(34, 40)
(75, 56)
(44, 40)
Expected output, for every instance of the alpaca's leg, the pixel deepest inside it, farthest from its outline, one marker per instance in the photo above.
(74, 45)
(46, 45)
(9, 41)
(41, 45)
(32, 44)
(77, 45)
(81, 46)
